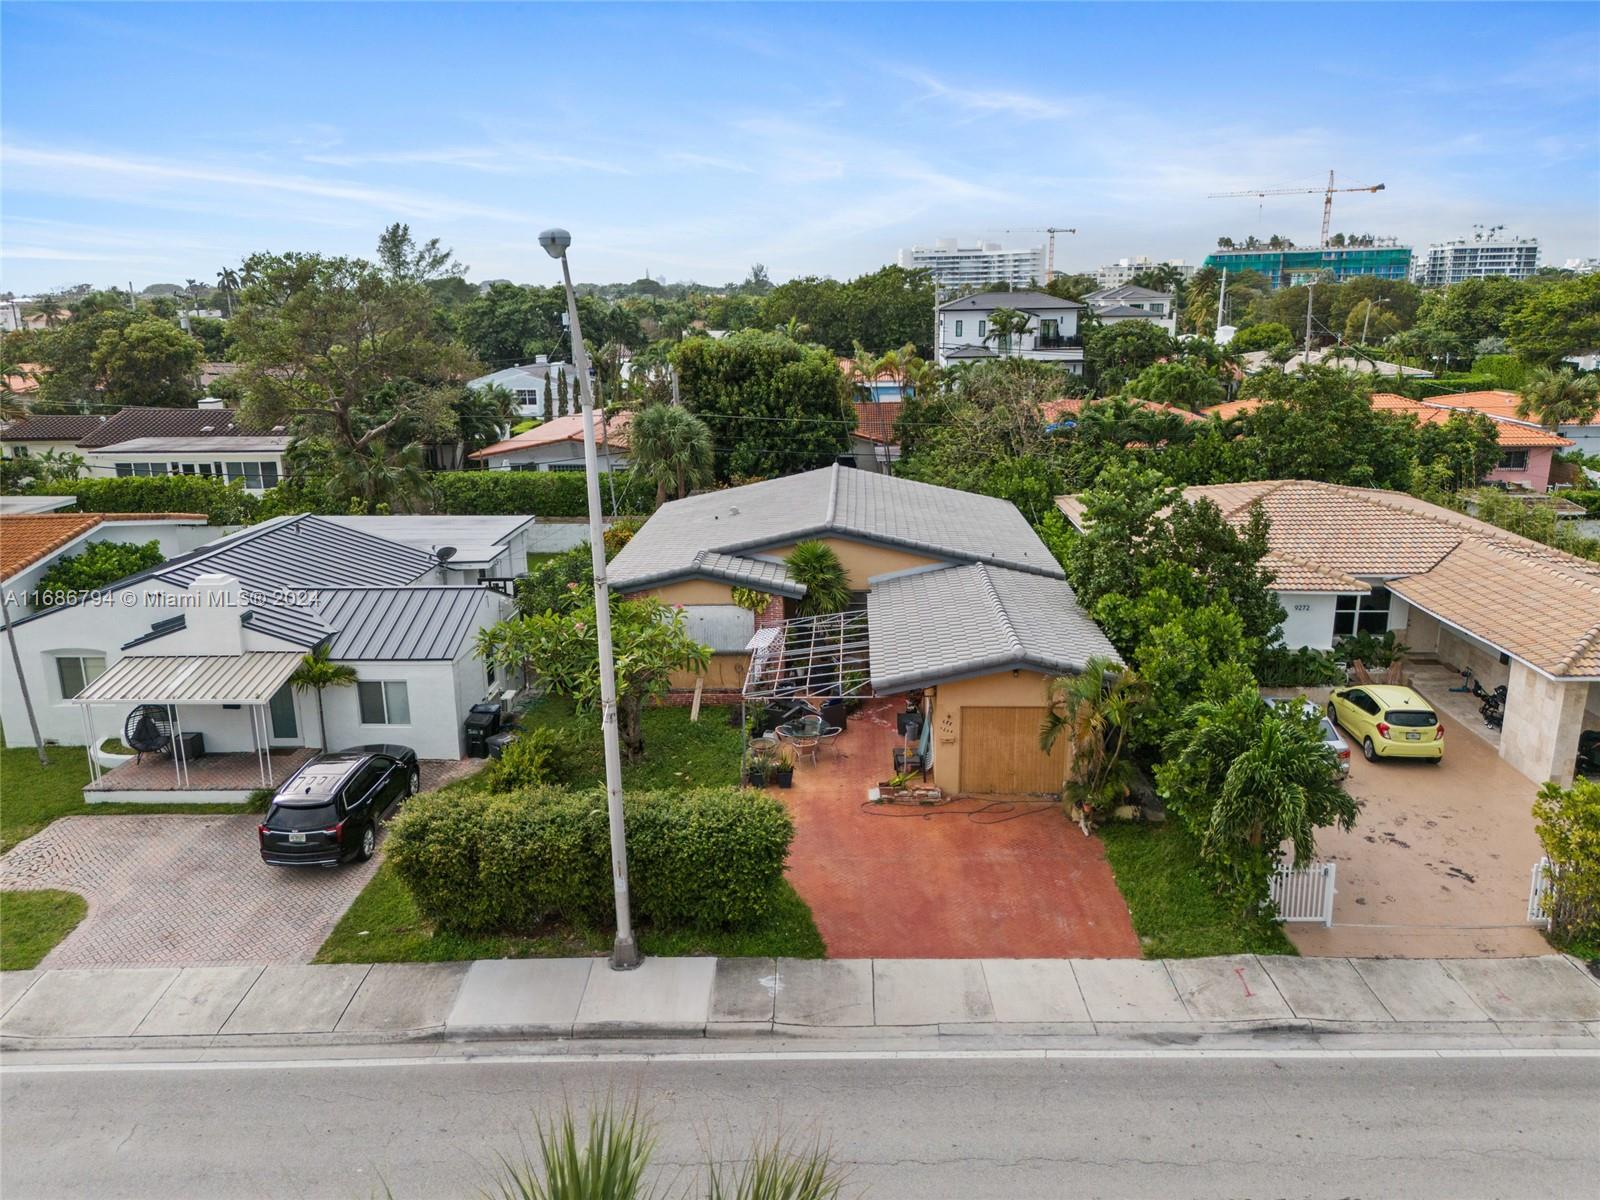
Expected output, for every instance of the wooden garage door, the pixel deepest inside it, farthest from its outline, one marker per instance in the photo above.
(1000, 752)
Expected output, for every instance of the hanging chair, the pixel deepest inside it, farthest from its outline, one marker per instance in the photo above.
(148, 730)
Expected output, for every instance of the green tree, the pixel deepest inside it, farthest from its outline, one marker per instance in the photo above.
(1458, 452)
(1261, 337)
(1114, 354)
(1007, 328)
(376, 477)
(816, 567)
(512, 324)
(1319, 424)
(96, 566)
(773, 407)
(147, 361)
(317, 673)
(1556, 396)
(671, 447)
(882, 310)
(650, 641)
(1180, 384)
(1556, 319)
(1568, 824)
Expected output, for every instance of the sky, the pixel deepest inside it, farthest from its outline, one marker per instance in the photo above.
(160, 142)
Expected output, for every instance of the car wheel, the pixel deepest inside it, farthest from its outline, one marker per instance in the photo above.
(414, 784)
(1333, 714)
(369, 841)
(1369, 750)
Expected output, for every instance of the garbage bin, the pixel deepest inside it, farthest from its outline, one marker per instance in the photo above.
(483, 722)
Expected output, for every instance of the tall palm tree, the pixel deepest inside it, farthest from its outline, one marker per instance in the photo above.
(316, 673)
(1093, 711)
(1556, 397)
(672, 447)
(1005, 324)
(228, 281)
(377, 477)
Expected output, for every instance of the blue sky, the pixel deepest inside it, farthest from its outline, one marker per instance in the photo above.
(158, 142)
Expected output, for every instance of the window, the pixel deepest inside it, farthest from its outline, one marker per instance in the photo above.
(384, 703)
(1362, 614)
(19, 452)
(527, 396)
(983, 328)
(124, 469)
(565, 467)
(281, 706)
(365, 779)
(1514, 460)
(77, 673)
(958, 328)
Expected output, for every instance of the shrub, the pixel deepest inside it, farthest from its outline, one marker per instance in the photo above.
(1371, 650)
(540, 756)
(478, 863)
(99, 564)
(1279, 666)
(222, 503)
(1568, 823)
(542, 493)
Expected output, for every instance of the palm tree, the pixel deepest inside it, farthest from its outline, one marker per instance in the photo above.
(228, 281)
(378, 477)
(1094, 711)
(1556, 397)
(794, 329)
(815, 566)
(1006, 323)
(318, 672)
(672, 447)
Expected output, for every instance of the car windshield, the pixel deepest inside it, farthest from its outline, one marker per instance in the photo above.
(1411, 718)
(1329, 733)
(301, 816)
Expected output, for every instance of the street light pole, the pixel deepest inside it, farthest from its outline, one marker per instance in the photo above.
(624, 951)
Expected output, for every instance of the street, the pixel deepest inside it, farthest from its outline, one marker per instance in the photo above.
(1013, 1124)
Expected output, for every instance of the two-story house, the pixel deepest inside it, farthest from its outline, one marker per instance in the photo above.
(966, 329)
(1129, 302)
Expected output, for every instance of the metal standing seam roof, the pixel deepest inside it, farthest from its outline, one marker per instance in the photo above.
(984, 301)
(398, 624)
(965, 621)
(249, 678)
(288, 623)
(301, 552)
(943, 523)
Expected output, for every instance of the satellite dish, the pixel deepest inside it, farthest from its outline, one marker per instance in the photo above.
(444, 554)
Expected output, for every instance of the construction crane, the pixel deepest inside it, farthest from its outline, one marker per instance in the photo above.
(1327, 197)
(1050, 254)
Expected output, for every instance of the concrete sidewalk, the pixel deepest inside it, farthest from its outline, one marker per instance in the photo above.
(695, 997)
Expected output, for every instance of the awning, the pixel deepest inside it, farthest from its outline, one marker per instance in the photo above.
(249, 678)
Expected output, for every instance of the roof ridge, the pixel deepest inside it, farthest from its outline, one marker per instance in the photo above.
(999, 606)
(833, 497)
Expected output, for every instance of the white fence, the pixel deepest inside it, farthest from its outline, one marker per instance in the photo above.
(1304, 893)
(1541, 892)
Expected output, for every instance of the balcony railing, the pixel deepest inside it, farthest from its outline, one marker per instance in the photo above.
(1059, 342)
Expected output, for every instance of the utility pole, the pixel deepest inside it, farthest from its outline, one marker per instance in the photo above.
(1366, 321)
(1311, 289)
(624, 951)
(22, 683)
(1222, 301)
(133, 305)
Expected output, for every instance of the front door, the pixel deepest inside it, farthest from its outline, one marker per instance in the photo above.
(284, 725)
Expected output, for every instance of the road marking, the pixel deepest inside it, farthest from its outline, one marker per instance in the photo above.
(636, 1058)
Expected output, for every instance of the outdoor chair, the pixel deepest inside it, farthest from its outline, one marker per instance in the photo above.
(808, 734)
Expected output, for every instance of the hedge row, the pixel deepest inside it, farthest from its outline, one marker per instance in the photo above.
(480, 862)
(538, 493)
(222, 503)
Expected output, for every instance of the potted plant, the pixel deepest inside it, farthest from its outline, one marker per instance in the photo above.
(783, 769)
(756, 768)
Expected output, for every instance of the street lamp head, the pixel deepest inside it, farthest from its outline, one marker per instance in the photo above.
(555, 242)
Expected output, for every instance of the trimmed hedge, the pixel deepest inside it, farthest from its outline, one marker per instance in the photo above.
(541, 493)
(222, 503)
(478, 862)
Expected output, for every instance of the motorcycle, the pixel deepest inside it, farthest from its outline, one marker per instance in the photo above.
(1588, 752)
(1493, 708)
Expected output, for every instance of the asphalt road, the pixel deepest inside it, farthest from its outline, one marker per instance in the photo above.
(970, 1127)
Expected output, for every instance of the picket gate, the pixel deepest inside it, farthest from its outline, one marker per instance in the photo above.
(1304, 893)
(1540, 893)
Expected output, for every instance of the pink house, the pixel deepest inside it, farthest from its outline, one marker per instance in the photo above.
(1527, 449)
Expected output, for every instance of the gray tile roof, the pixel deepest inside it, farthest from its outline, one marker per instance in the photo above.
(1127, 310)
(839, 501)
(394, 624)
(1021, 300)
(51, 427)
(758, 573)
(135, 421)
(964, 621)
(301, 552)
(1127, 291)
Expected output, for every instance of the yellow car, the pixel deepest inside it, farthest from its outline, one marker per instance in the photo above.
(1388, 721)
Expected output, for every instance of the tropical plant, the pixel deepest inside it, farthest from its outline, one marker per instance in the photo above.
(1568, 824)
(671, 447)
(816, 567)
(1556, 396)
(373, 476)
(316, 673)
(99, 564)
(1006, 324)
(1093, 710)
(751, 600)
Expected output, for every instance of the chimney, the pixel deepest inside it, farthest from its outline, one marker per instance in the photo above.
(214, 612)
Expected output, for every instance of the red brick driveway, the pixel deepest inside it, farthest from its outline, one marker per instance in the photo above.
(968, 879)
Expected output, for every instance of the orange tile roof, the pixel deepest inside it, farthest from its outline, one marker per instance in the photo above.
(876, 421)
(1232, 408)
(563, 429)
(25, 538)
(1054, 410)
(1513, 432)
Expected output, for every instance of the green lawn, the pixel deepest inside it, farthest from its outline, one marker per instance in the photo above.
(31, 923)
(1175, 912)
(383, 925)
(31, 796)
(535, 557)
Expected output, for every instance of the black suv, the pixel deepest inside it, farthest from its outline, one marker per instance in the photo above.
(328, 810)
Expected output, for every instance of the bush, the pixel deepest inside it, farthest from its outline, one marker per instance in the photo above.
(477, 863)
(99, 564)
(541, 493)
(222, 503)
(1371, 650)
(1279, 666)
(1568, 822)
(539, 757)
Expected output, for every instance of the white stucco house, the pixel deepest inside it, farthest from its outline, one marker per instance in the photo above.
(1454, 589)
(558, 446)
(964, 332)
(526, 383)
(487, 547)
(209, 640)
(1129, 302)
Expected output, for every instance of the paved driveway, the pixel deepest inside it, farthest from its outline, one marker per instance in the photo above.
(1439, 861)
(970, 879)
(186, 891)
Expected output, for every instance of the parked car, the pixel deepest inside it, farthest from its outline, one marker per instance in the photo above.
(328, 811)
(1388, 721)
(1337, 746)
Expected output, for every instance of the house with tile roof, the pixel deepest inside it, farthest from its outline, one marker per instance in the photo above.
(239, 613)
(1502, 405)
(1469, 594)
(31, 543)
(1527, 449)
(557, 445)
(956, 599)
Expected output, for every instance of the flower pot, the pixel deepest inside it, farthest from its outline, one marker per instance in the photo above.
(784, 776)
(756, 778)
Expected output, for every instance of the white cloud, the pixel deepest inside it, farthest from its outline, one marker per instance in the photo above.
(988, 101)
